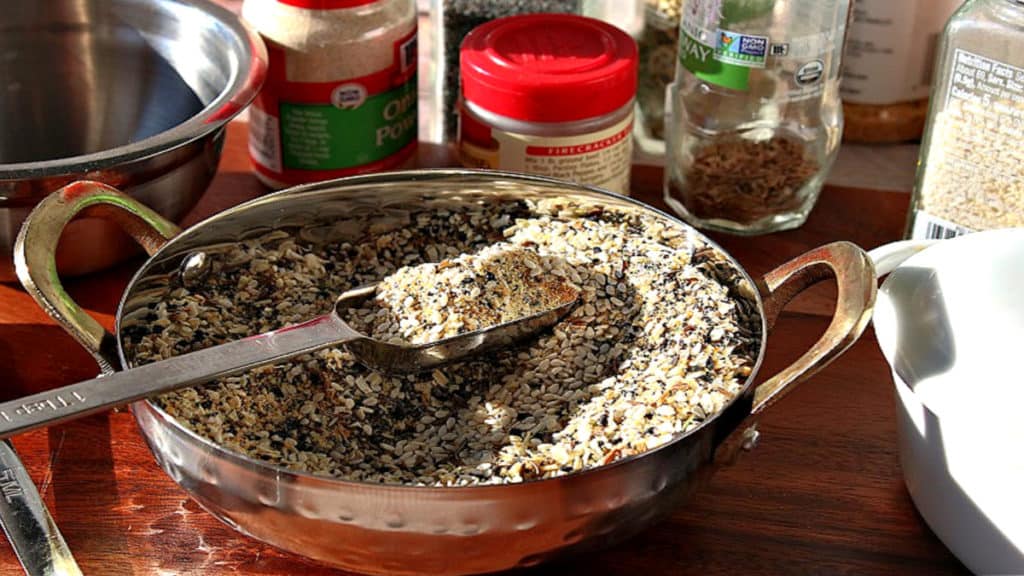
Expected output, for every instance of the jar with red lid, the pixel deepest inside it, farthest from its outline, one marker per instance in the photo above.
(549, 94)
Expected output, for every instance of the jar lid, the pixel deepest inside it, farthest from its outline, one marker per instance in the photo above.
(548, 67)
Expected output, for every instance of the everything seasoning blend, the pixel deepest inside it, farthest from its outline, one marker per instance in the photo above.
(340, 96)
(754, 117)
(549, 94)
(971, 171)
(661, 340)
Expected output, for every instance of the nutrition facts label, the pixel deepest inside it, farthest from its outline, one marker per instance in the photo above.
(995, 90)
(264, 139)
(974, 171)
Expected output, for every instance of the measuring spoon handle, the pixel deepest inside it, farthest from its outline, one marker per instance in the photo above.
(30, 529)
(96, 395)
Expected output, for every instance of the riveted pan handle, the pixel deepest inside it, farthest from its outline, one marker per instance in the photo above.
(854, 274)
(36, 247)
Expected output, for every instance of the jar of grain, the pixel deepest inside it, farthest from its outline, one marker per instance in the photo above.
(549, 94)
(340, 96)
(451, 20)
(887, 68)
(971, 170)
(753, 119)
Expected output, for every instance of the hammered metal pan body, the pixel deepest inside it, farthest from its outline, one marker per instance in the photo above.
(379, 529)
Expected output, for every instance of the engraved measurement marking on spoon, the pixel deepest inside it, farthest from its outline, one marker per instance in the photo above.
(55, 403)
(9, 486)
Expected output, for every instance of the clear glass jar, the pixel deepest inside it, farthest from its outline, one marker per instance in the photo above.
(754, 117)
(658, 43)
(971, 171)
(627, 15)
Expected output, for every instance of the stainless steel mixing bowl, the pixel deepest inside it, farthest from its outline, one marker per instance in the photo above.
(134, 93)
(387, 529)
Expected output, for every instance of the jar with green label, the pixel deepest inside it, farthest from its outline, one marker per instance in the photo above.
(340, 96)
(753, 118)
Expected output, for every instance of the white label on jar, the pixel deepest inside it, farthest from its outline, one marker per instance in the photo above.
(890, 52)
(264, 139)
(599, 159)
(974, 163)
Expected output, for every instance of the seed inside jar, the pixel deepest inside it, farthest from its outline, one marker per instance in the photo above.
(433, 301)
(745, 180)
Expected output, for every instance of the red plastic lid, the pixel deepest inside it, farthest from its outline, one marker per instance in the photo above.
(548, 67)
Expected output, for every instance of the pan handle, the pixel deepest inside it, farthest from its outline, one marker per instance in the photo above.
(855, 279)
(36, 247)
(854, 274)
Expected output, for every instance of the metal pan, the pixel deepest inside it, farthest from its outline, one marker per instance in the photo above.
(134, 93)
(387, 529)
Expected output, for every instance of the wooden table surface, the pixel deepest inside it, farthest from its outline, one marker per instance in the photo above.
(822, 492)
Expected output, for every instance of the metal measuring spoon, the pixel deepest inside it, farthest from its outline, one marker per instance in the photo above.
(203, 366)
(30, 529)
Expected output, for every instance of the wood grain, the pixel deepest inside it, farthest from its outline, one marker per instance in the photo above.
(822, 493)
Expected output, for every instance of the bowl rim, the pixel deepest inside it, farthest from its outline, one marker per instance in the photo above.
(285, 474)
(884, 315)
(248, 68)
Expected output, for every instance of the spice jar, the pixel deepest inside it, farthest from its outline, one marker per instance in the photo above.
(340, 96)
(971, 171)
(887, 67)
(549, 94)
(754, 118)
(451, 20)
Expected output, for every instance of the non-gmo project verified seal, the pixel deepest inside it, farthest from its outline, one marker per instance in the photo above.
(741, 49)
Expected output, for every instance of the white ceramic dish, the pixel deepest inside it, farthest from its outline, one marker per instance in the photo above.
(950, 321)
